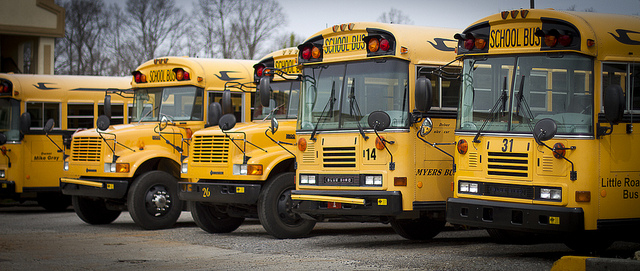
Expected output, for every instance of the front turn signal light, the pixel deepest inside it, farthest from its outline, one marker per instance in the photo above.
(462, 146)
(583, 196)
(302, 144)
(122, 167)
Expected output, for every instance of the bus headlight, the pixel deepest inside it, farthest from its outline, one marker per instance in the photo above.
(373, 180)
(66, 166)
(109, 167)
(307, 179)
(551, 194)
(246, 169)
(2, 173)
(116, 167)
(468, 187)
(185, 168)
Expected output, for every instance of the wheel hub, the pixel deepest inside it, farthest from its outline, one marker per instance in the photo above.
(158, 201)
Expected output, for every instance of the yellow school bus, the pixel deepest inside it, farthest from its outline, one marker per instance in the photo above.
(248, 170)
(362, 153)
(545, 131)
(136, 166)
(31, 159)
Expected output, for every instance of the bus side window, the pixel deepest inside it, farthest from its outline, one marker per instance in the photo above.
(41, 112)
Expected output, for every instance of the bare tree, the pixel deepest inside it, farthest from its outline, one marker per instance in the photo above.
(81, 50)
(255, 23)
(286, 40)
(156, 26)
(394, 16)
(215, 18)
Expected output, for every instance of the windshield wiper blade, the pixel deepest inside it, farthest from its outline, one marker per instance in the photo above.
(501, 102)
(330, 102)
(353, 106)
(521, 101)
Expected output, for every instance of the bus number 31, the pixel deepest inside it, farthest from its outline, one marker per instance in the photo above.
(508, 144)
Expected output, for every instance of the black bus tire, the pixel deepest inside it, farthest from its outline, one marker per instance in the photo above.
(274, 209)
(153, 200)
(93, 211)
(212, 220)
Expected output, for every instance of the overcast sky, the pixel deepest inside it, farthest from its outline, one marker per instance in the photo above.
(307, 17)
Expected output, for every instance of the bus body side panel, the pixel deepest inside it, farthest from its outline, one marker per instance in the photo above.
(619, 183)
(43, 163)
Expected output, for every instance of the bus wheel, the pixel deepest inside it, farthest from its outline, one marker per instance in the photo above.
(54, 201)
(153, 200)
(588, 242)
(212, 220)
(274, 209)
(93, 211)
(423, 228)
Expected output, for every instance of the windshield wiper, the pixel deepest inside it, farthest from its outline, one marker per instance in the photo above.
(330, 103)
(273, 111)
(354, 108)
(501, 102)
(522, 101)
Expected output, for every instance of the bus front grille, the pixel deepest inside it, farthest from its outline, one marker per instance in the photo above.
(309, 155)
(86, 149)
(508, 164)
(339, 157)
(210, 149)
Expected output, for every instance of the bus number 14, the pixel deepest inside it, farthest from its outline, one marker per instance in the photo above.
(370, 154)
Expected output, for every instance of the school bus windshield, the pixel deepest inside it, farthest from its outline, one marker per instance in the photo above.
(9, 114)
(175, 103)
(284, 100)
(556, 86)
(342, 95)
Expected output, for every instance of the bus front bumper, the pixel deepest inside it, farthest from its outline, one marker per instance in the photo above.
(7, 189)
(514, 216)
(347, 203)
(228, 193)
(113, 189)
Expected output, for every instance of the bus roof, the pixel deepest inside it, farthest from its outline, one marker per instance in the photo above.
(606, 36)
(420, 44)
(60, 87)
(208, 73)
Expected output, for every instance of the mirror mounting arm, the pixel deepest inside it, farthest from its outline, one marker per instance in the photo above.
(603, 130)
(392, 165)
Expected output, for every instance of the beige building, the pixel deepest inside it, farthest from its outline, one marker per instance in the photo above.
(28, 29)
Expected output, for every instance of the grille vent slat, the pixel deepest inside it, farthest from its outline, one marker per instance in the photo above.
(86, 149)
(339, 157)
(210, 149)
(508, 164)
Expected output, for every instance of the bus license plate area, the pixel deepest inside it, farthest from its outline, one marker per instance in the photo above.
(341, 180)
(334, 205)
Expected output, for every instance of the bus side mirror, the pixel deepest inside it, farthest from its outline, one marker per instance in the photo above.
(265, 91)
(3, 139)
(274, 125)
(214, 113)
(613, 103)
(544, 130)
(48, 127)
(25, 123)
(103, 123)
(379, 120)
(107, 105)
(423, 94)
(226, 102)
(227, 122)
(427, 126)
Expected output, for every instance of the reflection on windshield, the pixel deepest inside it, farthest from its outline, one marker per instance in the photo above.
(358, 89)
(176, 103)
(9, 119)
(559, 87)
(284, 99)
